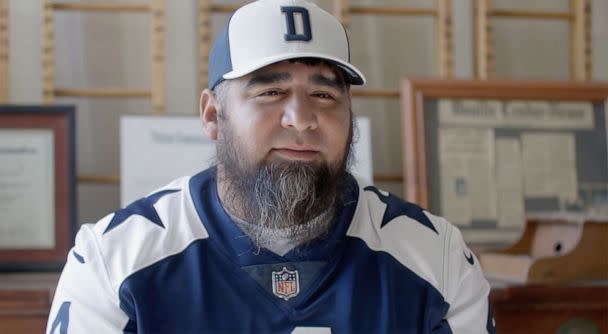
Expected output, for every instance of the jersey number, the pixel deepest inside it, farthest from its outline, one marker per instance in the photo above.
(63, 319)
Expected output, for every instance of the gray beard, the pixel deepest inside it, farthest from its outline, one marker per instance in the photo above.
(288, 202)
(281, 240)
(293, 201)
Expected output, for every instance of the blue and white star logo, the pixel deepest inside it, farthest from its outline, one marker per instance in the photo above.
(396, 207)
(143, 207)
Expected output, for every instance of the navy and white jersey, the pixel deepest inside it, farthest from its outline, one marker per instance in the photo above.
(174, 262)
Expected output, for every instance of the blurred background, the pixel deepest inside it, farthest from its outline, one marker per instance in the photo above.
(114, 49)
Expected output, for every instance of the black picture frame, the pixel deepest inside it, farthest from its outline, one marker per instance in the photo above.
(60, 120)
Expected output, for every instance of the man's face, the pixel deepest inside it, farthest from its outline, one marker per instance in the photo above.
(288, 112)
(283, 140)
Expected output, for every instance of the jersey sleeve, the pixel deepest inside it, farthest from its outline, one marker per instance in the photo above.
(84, 300)
(468, 290)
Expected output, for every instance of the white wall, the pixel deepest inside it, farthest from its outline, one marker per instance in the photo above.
(101, 49)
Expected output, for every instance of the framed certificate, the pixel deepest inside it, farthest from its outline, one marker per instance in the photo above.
(37, 186)
(485, 154)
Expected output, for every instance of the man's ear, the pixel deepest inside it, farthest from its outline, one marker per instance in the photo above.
(208, 112)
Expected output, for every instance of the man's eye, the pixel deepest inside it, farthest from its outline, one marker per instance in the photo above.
(273, 92)
(324, 95)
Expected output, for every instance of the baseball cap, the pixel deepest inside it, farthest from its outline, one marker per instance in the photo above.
(269, 31)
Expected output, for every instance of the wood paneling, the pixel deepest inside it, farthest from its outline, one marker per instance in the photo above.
(25, 301)
(544, 309)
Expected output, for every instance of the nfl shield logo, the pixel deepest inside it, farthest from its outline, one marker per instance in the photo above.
(285, 283)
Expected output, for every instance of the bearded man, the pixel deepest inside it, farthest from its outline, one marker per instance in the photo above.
(278, 237)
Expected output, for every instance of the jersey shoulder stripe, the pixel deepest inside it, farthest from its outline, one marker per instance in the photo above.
(148, 230)
(416, 238)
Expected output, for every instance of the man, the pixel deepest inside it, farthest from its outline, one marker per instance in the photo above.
(277, 237)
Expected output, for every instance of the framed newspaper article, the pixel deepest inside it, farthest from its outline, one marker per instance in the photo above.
(37, 186)
(485, 154)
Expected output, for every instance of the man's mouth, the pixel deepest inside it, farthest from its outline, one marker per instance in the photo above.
(291, 153)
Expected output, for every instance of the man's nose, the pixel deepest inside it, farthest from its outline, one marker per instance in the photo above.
(299, 114)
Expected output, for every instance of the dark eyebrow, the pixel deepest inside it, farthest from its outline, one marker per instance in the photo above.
(268, 78)
(323, 80)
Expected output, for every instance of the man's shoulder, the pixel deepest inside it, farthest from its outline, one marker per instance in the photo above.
(415, 238)
(148, 230)
(152, 209)
(385, 209)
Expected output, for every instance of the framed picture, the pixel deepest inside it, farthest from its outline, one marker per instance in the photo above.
(37, 187)
(485, 154)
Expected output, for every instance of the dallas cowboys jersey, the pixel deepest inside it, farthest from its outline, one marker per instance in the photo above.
(174, 262)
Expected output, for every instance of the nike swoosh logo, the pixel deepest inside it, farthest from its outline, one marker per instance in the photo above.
(469, 258)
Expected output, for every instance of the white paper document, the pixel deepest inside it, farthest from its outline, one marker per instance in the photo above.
(516, 114)
(27, 189)
(155, 150)
(549, 161)
(466, 164)
(509, 183)
(467, 112)
(549, 115)
(362, 151)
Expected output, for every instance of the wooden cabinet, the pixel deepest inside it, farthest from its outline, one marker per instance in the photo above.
(25, 300)
(551, 309)
(24, 311)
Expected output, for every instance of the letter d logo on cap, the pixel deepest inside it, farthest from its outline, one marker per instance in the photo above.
(291, 34)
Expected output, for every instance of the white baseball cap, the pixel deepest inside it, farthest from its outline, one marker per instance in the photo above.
(269, 31)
